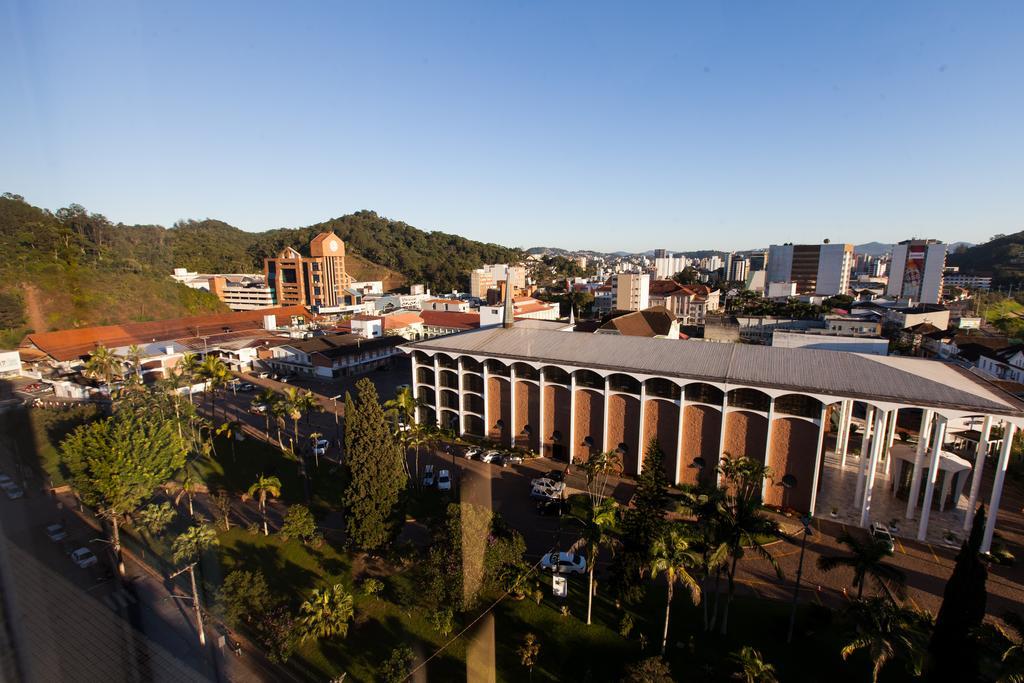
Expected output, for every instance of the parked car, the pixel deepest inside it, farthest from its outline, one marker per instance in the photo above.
(13, 491)
(473, 452)
(555, 475)
(552, 507)
(564, 563)
(84, 558)
(285, 379)
(321, 446)
(428, 475)
(491, 456)
(511, 459)
(880, 533)
(542, 492)
(547, 482)
(56, 532)
(263, 374)
(444, 481)
(246, 386)
(258, 409)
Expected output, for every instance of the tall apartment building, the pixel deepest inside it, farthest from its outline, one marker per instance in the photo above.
(667, 266)
(491, 275)
(822, 269)
(916, 269)
(631, 291)
(736, 267)
(318, 281)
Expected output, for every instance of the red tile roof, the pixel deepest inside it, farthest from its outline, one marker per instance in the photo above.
(452, 319)
(64, 345)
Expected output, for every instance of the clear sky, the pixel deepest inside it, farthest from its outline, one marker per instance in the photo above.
(606, 126)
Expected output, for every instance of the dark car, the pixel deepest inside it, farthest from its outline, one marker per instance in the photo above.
(555, 475)
(552, 507)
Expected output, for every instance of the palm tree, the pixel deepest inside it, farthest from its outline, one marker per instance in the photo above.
(216, 374)
(752, 668)
(599, 468)
(187, 367)
(294, 403)
(741, 525)
(266, 398)
(188, 547)
(888, 633)
(265, 486)
(230, 431)
(403, 409)
(103, 364)
(313, 438)
(707, 539)
(133, 356)
(866, 560)
(597, 532)
(189, 487)
(671, 554)
(1006, 646)
(326, 613)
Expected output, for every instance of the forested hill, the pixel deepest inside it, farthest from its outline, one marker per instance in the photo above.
(1002, 257)
(73, 268)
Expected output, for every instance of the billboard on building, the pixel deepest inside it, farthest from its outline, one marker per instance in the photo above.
(913, 271)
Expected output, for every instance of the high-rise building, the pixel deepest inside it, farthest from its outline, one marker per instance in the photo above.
(318, 281)
(822, 269)
(916, 269)
(631, 291)
(491, 275)
(660, 253)
(736, 267)
(667, 266)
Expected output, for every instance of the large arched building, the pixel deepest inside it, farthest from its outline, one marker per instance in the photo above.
(566, 395)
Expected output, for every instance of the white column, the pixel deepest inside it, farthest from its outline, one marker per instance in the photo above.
(680, 432)
(862, 461)
(541, 435)
(938, 437)
(462, 397)
(890, 434)
(768, 447)
(818, 457)
(512, 433)
(415, 388)
(924, 434)
(843, 434)
(979, 465)
(721, 434)
(877, 446)
(572, 416)
(604, 418)
(487, 404)
(437, 391)
(640, 431)
(997, 486)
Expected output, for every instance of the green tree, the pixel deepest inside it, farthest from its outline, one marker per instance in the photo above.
(671, 554)
(402, 408)
(1005, 647)
(597, 531)
(642, 523)
(528, 652)
(867, 560)
(376, 473)
(687, 276)
(397, 667)
(215, 373)
(295, 404)
(117, 462)
(221, 502)
(243, 595)
(103, 364)
(952, 652)
(298, 523)
(230, 430)
(326, 613)
(266, 399)
(649, 670)
(751, 668)
(154, 518)
(188, 547)
(260, 490)
(888, 634)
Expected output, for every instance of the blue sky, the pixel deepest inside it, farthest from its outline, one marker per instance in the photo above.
(606, 126)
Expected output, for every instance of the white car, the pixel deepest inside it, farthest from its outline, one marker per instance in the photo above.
(491, 456)
(545, 481)
(564, 563)
(547, 492)
(321, 446)
(444, 481)
(56, 532)
(881, 534)
(428, 475)
(472, 452)
(84, 558)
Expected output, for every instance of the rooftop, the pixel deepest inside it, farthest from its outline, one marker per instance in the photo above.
(908, 381)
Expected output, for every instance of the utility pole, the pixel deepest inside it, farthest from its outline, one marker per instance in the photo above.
(195, 600)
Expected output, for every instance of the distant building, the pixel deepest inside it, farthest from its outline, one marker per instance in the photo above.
(10, 364)
(489, 277)
(454, 305)
(523, 307)
(631, 291)
(830, 342)
(318, 281)
(660, 253)
(656, 321)
(368, 287)
(666, 266)
(245, 294)
(688, 303)
(916, 271)
(822, 269)
(330, 356)
(781, 290)
(604, 300)
(967, 281)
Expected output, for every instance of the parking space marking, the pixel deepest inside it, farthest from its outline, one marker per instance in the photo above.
(900, 547)
(932, 551)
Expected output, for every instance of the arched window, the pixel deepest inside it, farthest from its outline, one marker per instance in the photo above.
(750, 399)
(591, 380)
(704, 393)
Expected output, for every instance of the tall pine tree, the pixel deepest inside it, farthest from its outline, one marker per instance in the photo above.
(952, 651)
(376, 476)
(642, 523)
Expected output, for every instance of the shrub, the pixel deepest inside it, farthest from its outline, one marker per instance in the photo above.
(372, 586)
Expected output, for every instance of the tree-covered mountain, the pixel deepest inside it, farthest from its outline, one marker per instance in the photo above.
(1002, 258)
(73, 267)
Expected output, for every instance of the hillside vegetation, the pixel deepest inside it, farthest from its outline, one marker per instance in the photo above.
(73, 268)
(1002, 257)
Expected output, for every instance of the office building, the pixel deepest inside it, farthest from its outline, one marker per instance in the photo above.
(916, 271)
(318, 281)
(822, 269)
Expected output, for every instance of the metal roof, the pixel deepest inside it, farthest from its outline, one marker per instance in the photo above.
(893, 379)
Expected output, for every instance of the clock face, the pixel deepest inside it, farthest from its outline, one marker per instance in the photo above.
(332, 245)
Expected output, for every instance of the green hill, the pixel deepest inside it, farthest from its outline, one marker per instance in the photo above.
(1002, 258)
(74, 268)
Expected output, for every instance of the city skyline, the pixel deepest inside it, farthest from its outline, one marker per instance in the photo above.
(533, 126)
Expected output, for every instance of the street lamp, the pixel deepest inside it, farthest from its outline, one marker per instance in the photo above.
(789, 481)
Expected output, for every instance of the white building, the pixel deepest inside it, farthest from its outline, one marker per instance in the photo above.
(630, 291)
(489, 276)
(667, 266)
(822, 269)
(368, 287)
(830, 342)
(449, 305)
(916, 271)
(10, 364)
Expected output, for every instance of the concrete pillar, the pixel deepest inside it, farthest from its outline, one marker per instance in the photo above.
(819, 455)
(979, 466)
(512, 433)
(437, 390)
(768, 447)
(487, 403)
(877, 446)
(997, 486)
(462, 397)
(938, 437)
(604, 417)
(680, 433)
(865, 455)
(843, 436)
(572, 416)
(721, 435)
(415, 388)
(640, 433)
(890, 435)
(540, 420)
(925, 433)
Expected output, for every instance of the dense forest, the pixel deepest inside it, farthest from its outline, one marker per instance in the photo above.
(74, 267)
(1002, 257)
